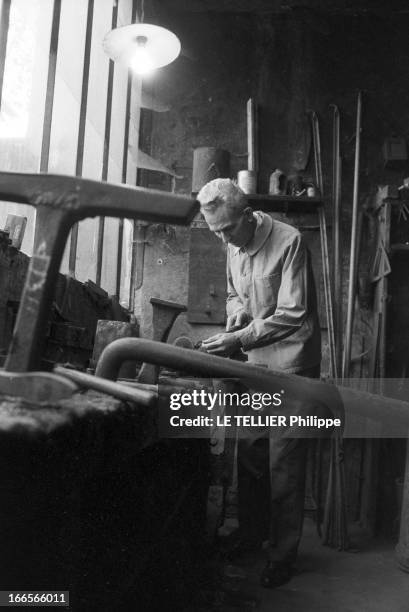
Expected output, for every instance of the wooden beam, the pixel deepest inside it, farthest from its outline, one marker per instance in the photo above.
(105, 158)
(81, 128)
(124, 165)
(282, 7)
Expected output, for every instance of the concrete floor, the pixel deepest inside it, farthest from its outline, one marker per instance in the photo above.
(367, 580)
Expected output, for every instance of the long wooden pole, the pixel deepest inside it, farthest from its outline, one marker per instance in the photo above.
(353, 251)
(324, 245)
(336, 236)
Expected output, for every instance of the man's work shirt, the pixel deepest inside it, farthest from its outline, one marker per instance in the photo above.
(271, 279)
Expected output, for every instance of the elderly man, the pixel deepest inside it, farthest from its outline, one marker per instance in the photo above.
(272, 316)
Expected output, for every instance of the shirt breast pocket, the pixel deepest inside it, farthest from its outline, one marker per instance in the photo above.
(266, 288)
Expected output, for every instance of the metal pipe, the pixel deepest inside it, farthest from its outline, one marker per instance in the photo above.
(353, 251)
(123, 392)
(295, 388)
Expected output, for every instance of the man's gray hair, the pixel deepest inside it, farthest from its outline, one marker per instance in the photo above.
(221, 192)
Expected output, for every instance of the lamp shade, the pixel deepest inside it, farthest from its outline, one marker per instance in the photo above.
(142, 46)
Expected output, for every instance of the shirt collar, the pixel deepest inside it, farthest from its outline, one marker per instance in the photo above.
(262, 232)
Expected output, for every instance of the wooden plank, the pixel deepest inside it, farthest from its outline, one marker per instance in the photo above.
(286, 204)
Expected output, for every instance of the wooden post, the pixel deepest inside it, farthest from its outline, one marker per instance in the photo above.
(252, 129)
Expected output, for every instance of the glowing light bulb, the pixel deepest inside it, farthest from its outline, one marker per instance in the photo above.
(143, 47)
(141, 61)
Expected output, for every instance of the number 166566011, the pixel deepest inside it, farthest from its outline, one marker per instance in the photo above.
(34, 598)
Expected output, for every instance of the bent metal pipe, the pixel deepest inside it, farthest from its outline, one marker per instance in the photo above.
(339, 399)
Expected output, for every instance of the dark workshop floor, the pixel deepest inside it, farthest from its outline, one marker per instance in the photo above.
(367, 580)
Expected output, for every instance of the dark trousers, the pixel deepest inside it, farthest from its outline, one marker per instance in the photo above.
(271, 488)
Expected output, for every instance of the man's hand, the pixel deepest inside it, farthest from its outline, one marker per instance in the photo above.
(224, 344)
(238, 320)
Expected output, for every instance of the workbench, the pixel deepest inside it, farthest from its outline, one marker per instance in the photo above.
(92, 502)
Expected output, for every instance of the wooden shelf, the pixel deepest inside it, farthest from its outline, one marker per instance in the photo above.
(270, 203)
(399, 247)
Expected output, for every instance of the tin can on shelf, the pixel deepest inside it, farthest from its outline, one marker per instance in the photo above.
(247, 181)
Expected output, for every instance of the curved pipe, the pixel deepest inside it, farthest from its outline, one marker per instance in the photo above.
(205, 365)
(295, 389)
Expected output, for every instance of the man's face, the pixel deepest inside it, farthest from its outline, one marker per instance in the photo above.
(231, 226)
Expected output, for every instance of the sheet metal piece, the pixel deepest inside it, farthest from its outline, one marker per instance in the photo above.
(164, 315)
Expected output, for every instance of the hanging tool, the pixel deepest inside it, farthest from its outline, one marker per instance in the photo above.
(324, 245)
(381, 265)
(60, 202)
(403, 212)
(353, 266)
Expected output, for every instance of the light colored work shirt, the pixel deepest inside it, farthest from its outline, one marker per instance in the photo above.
(271, 279)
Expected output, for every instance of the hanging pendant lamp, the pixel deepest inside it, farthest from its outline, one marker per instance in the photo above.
(143, 47)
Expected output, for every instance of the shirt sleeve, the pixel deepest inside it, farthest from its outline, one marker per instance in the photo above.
(233, 301)
(292, 301)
